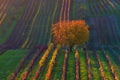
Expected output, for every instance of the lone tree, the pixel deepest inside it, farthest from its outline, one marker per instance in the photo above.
(70, 33)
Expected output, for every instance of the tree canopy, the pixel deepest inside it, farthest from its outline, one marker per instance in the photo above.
(70, 32)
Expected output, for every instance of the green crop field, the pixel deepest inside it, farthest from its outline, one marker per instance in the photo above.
(27, 49)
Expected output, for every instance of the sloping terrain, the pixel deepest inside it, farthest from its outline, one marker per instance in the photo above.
(25, 29)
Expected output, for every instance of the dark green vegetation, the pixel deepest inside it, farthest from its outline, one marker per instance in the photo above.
(9, 61)
(25, 26)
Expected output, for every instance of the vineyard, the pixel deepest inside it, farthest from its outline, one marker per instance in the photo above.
(27, 50)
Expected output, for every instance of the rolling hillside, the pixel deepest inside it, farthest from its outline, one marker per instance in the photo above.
(27, 51)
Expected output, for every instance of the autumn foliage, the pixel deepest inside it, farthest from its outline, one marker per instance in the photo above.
(70, 32)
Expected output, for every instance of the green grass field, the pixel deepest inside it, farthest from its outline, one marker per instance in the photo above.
(9, 61)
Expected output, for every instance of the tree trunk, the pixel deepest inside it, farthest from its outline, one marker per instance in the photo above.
(71, 47)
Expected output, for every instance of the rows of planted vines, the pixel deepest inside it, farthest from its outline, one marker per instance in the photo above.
(7, 19)
(94, 66)
(106, 67)
(71, 66)
(53, 63)
(29, 51)
(91, 65)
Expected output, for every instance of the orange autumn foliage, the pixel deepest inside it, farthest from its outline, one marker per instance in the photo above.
(70, 32)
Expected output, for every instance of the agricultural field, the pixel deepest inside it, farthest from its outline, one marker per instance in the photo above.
(28, 50)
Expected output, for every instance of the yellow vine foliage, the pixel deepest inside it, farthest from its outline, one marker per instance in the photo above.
(44, 57)
(70, 32)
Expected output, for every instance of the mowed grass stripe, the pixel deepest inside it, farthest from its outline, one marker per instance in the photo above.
(94, 66)
(71, 66)
(83, 66)
(57, 69)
